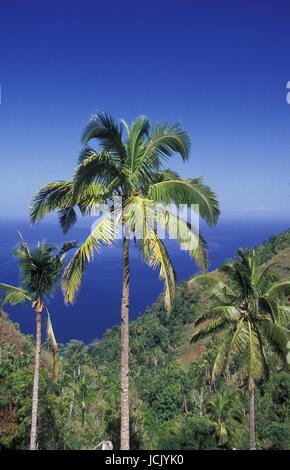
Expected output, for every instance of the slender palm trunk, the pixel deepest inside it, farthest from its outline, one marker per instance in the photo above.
(125, 347)
(33, 434)
(252, 419)
(83, 416)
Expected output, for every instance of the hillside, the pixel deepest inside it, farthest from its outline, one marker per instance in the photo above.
(169, 382)
(280, 258)
(10, 334)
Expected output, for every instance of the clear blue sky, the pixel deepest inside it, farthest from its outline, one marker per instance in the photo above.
(219, 67)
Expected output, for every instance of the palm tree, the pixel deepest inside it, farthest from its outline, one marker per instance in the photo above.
(40, 270)
(79, 394)
(224, 412)
(250, 318)
(127, 175)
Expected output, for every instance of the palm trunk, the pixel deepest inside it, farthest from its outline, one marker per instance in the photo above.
(252, 419)
(33, 434)
(125, 347)
(83, 416)
(71, 406)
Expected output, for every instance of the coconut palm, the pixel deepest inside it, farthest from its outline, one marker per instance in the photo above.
(127, 174)
(251, 318)
(40, 270)
(224, 412)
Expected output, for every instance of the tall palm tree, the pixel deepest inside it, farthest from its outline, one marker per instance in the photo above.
(40, 270)
(251, 318)
(127, 174)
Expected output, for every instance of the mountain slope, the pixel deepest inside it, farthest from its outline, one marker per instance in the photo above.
(281, 259)
(169, 383)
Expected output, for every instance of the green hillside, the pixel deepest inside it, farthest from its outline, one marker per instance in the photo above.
(170, 383)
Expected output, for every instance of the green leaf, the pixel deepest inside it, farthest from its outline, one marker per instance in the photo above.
(164, 141)
(105, 232)
(13, 295)
(156, 255)
(51, 197)
(108, 133)
(188, 192)
(206, 329)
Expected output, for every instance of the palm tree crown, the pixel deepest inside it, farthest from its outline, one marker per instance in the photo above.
(252, 316)
(40, 270)
(130, 168)
(224, 412)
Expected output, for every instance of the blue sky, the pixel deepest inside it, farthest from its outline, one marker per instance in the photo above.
(221, 68)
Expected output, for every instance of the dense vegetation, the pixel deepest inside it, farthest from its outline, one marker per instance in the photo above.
(174, 405)
(271, 247)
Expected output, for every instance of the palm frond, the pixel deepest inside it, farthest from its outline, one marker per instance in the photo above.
(279, 289)
(139, 129)
(156, 255)
(214, 286)
(239, 338)
(108, 132)
(69, 245)
(188, 192)
(90, 197)
(266, 278)
(22, 252)
(142, 214)
(105, 233)
(277, 336)
(164, 141)
(228, 312)
(235, 341)
(50, 197)
(53, 344)
(207, 329)
(97, 167)
(165, 175)
(254, 358)
(67, 218)
(268, 305)
(13, 295)
(284, 312)
(221, 357)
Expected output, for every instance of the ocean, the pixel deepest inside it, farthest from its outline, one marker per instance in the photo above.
(97, 307)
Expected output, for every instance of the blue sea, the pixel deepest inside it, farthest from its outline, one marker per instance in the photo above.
(97, 307)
